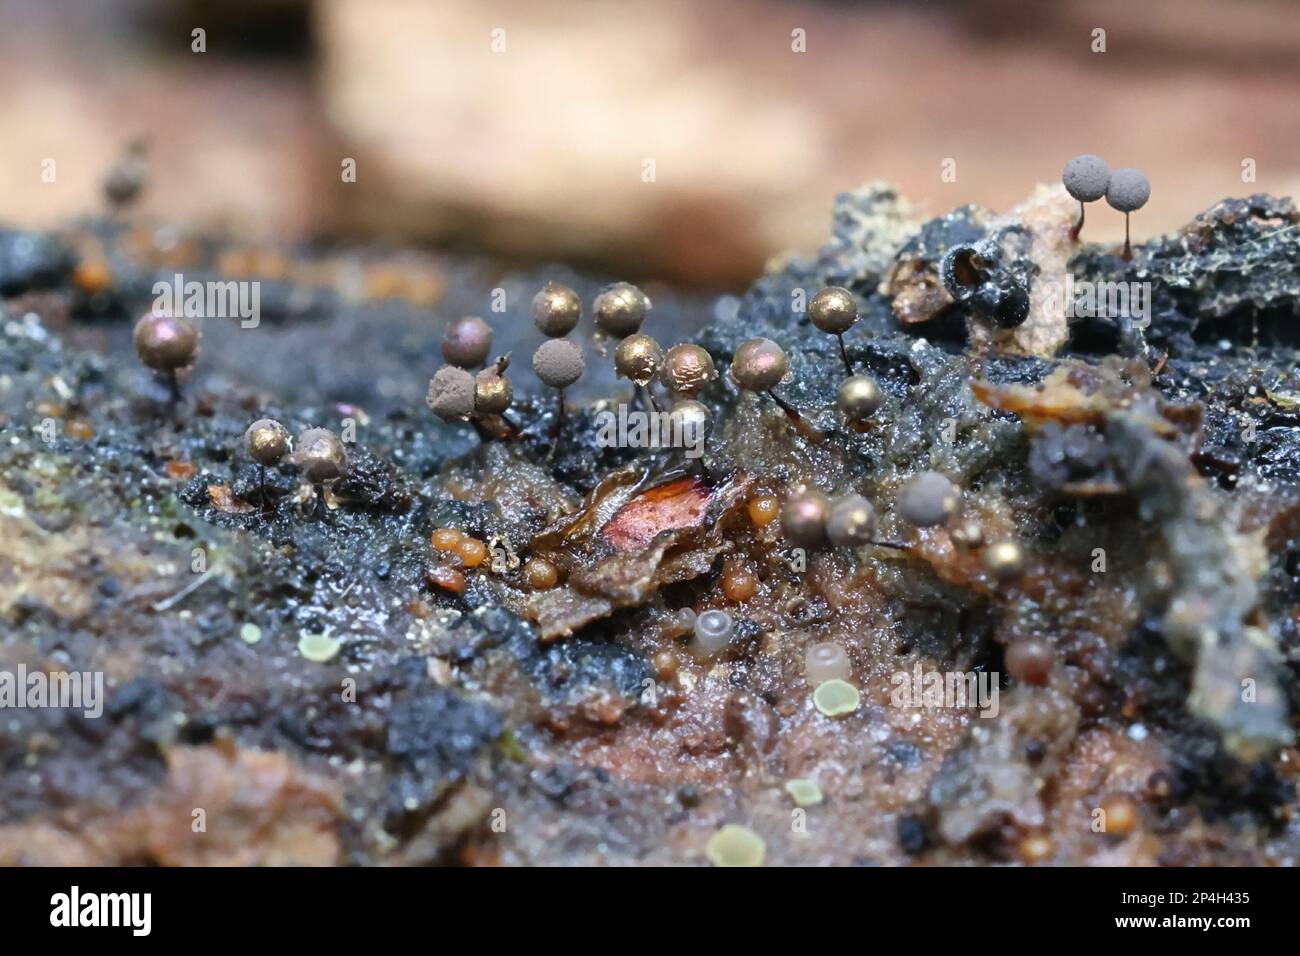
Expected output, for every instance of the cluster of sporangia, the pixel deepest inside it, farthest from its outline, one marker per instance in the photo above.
(928, 500)
(809, 518)
(1087, 178)
(677, 375)
(169, 344)
(456, 394)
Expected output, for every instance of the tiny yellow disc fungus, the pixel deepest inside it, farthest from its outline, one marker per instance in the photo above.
(836, 698)
(804, 792)
(318, 648)
(734, 845)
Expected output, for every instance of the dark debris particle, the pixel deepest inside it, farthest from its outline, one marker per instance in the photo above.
(439, 727)
(1202, 773)
(142, 697)
(992, 276)
(912, 834)
(373, 483)
(556, 783)
(905, 753)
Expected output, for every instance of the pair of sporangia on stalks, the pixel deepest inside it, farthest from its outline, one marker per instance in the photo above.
(1087, 178)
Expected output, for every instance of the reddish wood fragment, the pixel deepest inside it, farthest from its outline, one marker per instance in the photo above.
(677, 504)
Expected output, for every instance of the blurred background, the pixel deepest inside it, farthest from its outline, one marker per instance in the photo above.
(522, 129)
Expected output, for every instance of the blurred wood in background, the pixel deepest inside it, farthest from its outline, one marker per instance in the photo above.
(539, 151)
